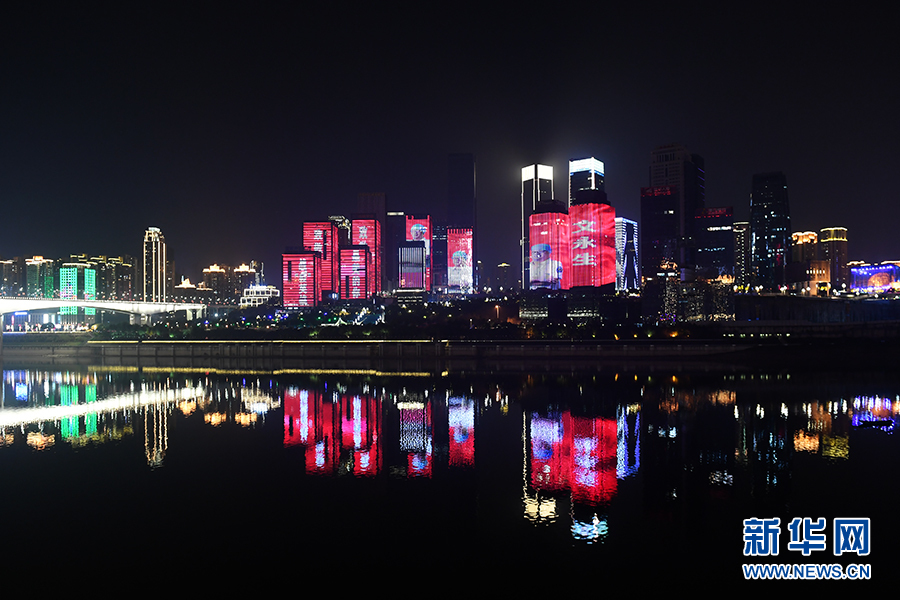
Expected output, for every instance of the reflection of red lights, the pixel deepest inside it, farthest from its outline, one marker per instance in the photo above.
(576, 454)
(327, 429)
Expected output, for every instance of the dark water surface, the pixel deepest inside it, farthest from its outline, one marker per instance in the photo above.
(641, 477)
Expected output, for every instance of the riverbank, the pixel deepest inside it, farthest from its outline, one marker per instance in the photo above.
(437, 356)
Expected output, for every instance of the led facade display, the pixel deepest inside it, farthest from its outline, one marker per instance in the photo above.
(549, 263)
(354, 272)
(592, 244)
(418, 229)
(875, 278)
(302, 274)
(412, 265)
(322, 237)
(460, 275)
(367, 232)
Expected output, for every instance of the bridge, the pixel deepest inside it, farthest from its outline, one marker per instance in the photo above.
(142, 309)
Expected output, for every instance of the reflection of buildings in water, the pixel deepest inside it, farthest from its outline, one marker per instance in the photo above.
(339, 432)
(156, 434)
(584, 456)
(461, 419)
(415, 436)
(82, 408)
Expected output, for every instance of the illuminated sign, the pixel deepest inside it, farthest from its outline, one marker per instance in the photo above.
(549, 261)
(419, 230)
(875, 278)
(460, 278)
(592, 241)
(301, 279)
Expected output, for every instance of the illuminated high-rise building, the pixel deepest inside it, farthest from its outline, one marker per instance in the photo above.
(367, 232)
(418, 229)
(770, 230)
(355, 275)
(628, 272)
(537, 186)
(301, 278)
(77, 281)
(322, 237)
(833, 248)
(586, 181)
(411, 265)
(39, 277)
(155, 263)
(742, 271)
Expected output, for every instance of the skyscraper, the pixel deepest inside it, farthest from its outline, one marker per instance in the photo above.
(461, 211)
(675, 167)
(628, 274)
(586, 181)
(770, 229)
(537, 186)
(742, 272)
(155, 266)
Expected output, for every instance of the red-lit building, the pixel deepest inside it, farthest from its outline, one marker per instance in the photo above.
(302, 275)
(592, 244)
(418, 229)
(460, 274)
(367, 232)
(550, 257)
(322, 237)
(355, 277)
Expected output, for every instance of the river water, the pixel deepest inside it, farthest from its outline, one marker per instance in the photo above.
(644, 475)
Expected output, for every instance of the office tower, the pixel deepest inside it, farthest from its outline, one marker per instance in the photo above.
(375, 205)
(770, 226)
(411, 265)
(586, 182)
(301, 278)
(367, 232)
(673, 166)
(155, 271)
(460, 269)
(659, 229)
(438, 257)
(418, 229)
(461, 207)
(394, 235)
(714, 256)
(833, 248)
(537, 186)
(742, 272)
(322, 237)
(550, 261)
(628, 274)
(592, 244)
(355, 275)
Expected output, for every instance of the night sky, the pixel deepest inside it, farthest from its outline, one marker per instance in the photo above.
(228, 125)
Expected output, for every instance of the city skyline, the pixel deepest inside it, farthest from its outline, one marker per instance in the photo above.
(226, 130)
